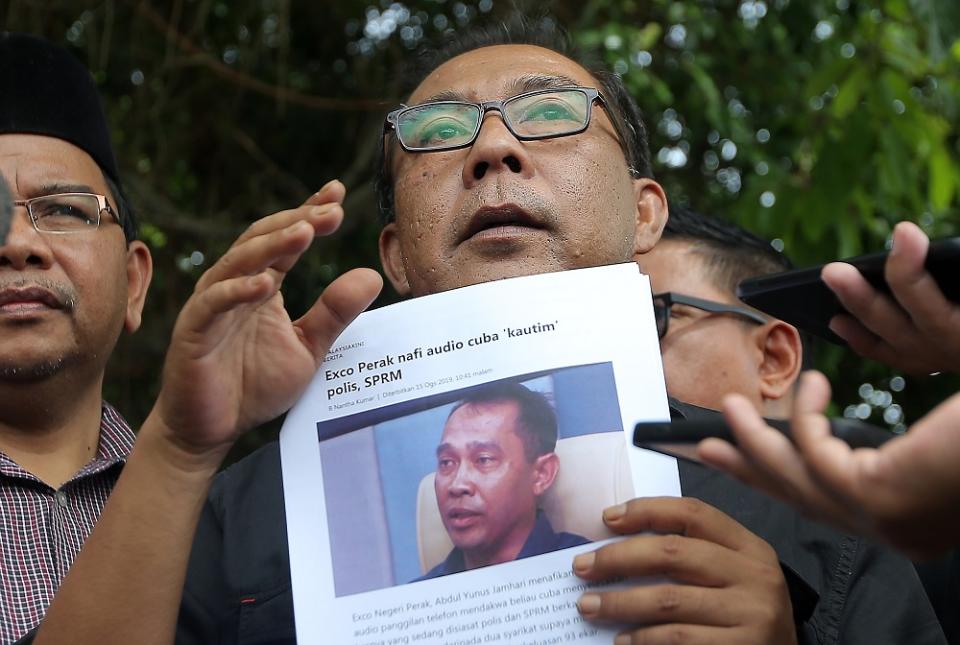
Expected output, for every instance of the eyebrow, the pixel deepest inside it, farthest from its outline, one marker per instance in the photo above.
(528, 83)
(471, 446)
(57, 188)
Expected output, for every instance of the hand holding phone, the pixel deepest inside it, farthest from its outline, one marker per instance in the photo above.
(898, 307)
(904, 492)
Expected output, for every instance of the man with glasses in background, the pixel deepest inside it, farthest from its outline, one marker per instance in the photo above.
(712, 344)
(72, 277)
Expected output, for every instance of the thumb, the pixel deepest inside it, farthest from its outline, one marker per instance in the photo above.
(336, 308)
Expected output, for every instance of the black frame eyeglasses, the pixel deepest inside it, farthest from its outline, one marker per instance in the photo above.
(64, 213)
(450, 125)
(663, 302)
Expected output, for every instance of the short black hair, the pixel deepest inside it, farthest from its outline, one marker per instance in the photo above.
(730, 253)
(536, 421)
(128, 218)
(540, 32)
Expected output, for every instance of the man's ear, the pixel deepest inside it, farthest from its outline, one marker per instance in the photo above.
(782, 361)
(139, 273)
(651, 214)
(545, 469)
(391, 256)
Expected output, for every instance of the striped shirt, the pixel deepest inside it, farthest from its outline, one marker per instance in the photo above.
(42, 529)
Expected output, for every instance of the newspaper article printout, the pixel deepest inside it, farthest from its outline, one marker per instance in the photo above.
(439, 428)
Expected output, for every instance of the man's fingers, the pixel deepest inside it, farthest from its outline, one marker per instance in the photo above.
(278, 250)
(829, 459)
(681, 515)
(677, 557)
(206, 309)
(657, 604)
(336, 308)
(332, 192)
(324, 218)
(917, 291)
(875, 310)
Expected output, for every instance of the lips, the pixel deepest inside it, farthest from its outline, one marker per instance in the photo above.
(28, 299)
(499, 221)
(461, 518)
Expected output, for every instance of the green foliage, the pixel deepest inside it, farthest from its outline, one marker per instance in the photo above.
(818, 123)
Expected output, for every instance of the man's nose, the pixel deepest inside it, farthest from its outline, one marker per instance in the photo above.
(25, 247)
(496, 150)
(461, 483)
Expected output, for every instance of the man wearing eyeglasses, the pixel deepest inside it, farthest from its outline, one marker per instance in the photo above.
(72, 278)
(507, 160)
(711, 343)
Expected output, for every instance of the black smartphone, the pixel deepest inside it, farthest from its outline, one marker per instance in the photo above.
(802, 299)
(680, 438)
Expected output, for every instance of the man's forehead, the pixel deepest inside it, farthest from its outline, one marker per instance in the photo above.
(500, 71)
(33, 163)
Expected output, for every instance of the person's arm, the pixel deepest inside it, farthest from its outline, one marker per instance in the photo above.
(916, 329)
(725, 584)
(235, 360)
(906, 492)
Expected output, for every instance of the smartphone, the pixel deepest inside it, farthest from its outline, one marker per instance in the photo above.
(802, 299)
(680, 438)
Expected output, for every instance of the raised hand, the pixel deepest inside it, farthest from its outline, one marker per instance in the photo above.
(724, 584)
(916, 330)
(236, 359)
(906, 492)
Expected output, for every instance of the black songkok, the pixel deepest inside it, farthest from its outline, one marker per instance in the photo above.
(45, 90)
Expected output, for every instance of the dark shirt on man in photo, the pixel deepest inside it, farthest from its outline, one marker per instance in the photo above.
(542, 539)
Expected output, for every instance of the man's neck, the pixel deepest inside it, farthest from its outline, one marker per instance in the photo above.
(506, 550)
(52, 428)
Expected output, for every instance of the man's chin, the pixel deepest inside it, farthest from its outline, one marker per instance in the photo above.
(31, 372)
(491, 272)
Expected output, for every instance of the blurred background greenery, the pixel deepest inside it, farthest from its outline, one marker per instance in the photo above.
(815, 123)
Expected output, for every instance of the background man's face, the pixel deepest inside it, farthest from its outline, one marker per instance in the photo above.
(484, 482)
(560, 203)
(63, 298)
(705, 356)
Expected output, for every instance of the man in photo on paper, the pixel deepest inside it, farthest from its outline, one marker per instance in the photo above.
(495, 462)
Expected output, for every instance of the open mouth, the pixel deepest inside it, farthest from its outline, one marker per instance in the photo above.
(501, 221)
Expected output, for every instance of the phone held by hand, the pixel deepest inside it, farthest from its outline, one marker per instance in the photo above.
(802, 299)
(680, 438)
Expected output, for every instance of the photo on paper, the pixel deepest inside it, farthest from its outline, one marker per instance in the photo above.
(445, 483)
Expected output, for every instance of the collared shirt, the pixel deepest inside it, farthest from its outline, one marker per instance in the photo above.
(542, 539)
(42, 528)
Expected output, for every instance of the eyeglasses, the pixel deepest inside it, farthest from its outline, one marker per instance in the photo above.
(67, 212)
(663, 302)
(447, 125)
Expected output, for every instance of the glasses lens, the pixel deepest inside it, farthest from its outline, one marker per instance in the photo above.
(65, 213)
(548, 113)
(438, 125)
(661, 313)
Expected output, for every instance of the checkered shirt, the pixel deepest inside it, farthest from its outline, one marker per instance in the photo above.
(42, 529)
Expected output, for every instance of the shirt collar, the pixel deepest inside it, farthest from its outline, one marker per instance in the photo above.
(116, 441)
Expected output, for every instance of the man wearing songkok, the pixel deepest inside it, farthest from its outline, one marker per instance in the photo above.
(72, 278)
